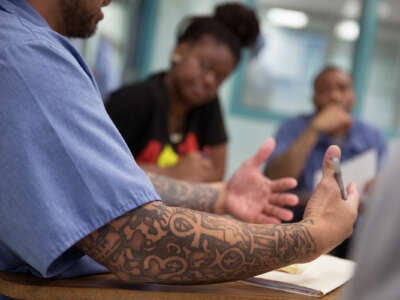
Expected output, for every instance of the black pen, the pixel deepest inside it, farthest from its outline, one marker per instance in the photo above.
(338, 177)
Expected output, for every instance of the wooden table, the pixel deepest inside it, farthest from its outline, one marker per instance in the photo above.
(108, 287)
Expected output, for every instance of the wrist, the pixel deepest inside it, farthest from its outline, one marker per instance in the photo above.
(321, 233)
(316, 239)
(220, 204)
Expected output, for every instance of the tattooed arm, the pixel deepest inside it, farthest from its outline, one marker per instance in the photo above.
(197, 196)
(162, 244)
(248, 195)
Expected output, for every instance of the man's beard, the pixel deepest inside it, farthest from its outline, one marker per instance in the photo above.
(78, 22)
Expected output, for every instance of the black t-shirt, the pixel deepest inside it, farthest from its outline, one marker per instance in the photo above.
(140, 111)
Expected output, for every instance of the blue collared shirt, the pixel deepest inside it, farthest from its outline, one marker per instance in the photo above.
(65, 169)
(361, 137)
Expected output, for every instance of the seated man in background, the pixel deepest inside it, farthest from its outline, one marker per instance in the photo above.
(303, 140)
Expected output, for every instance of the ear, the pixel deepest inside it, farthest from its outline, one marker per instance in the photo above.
(180, 51)
(176, 58)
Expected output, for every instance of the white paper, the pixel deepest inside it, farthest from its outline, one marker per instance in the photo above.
(359, 169)
(319, 277)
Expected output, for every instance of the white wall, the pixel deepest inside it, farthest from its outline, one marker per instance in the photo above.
(245, 134)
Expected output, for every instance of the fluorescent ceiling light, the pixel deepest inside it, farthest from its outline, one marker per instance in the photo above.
(287, 18)
(348, 30)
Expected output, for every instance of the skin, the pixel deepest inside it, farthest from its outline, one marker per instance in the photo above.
(198, 70)
(72, 18)
(333, 100)
(159, 243)
(162, 243)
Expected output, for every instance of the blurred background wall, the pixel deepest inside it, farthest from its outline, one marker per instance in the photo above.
(298, 38)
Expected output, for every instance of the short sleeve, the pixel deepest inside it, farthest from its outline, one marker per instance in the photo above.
(65, 169)
(287, 133)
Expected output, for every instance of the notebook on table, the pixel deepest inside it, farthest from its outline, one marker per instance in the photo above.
(316, 278)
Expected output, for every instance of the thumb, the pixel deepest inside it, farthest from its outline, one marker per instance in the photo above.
(263, 152)
(332, 152)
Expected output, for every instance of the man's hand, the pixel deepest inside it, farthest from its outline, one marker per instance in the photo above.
(332, 216)
(333, 120)
(252, 197)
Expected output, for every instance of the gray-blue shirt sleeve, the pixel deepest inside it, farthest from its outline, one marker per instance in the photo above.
(287, 133)
(65, 169)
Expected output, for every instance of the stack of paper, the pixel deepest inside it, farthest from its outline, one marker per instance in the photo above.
(359, 169)
(316, 278)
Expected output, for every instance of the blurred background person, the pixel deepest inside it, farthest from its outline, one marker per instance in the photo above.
(172, 121)
(143, 32)
(302, 140)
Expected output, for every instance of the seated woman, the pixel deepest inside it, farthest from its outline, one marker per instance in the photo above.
(172, 121)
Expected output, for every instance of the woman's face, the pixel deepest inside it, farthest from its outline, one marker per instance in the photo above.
(199, 68)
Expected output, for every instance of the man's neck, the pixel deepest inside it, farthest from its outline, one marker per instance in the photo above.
(50, 11)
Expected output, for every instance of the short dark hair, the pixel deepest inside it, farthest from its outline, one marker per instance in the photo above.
(327, 69)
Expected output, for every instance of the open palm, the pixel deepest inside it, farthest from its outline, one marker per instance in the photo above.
(254, 198)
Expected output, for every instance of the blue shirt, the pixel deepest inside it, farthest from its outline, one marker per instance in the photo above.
(65, 169)
(361, 137)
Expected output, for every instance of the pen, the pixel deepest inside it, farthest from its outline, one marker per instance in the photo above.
(338, 177)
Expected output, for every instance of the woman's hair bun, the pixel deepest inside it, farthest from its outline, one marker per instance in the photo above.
(241, 21)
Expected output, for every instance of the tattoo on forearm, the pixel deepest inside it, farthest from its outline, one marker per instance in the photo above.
(183, 194)
(164, 244)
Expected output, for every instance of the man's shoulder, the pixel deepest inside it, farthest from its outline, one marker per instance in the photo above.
(368, 133)
(363, 127)
(12, 30)
(297, 121)
(16, 33)
(19, 22)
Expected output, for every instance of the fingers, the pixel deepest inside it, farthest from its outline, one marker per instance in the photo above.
(276, 209)
(279, 213)
(265, 219)
(263, 152)
(283, 184)
(353, 196)
(327, 165)
(284, 199)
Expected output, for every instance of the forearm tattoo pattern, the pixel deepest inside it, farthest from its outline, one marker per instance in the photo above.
(162, 244)
(183, 194)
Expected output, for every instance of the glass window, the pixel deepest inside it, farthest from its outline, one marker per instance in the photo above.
(381, 106)
(298, 39)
